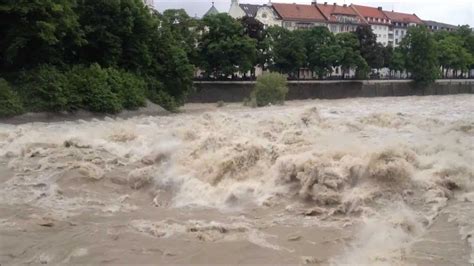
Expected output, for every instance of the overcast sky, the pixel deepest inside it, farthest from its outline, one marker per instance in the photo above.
(448, 11)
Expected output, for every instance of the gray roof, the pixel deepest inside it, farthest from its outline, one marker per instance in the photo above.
(212, 11)
(439, 25)
(250, 10)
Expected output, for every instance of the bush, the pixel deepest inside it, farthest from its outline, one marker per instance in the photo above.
(91, 90)
(44, 88)
(10, 103)
(158, 95)
(271, 88)
(129, 88)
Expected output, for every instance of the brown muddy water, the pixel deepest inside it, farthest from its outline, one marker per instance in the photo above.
(381, 181)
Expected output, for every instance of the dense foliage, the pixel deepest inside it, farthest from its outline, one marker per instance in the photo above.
(270, 88)
(10, 103)
(109, 55)
(47, 46)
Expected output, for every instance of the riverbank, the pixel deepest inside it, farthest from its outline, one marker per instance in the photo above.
(151, 109)
(237, 91)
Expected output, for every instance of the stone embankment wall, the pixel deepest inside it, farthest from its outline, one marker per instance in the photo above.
(236, 91)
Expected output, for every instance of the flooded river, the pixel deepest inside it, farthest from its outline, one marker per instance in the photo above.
(359, 181)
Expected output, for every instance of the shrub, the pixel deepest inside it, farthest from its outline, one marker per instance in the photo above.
(158, 95)
(10, 103)
(129, 88)
(90, 90)
(44, 88)
(271, 88)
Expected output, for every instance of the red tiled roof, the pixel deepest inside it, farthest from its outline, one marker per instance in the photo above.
(372, 12)
(298, 12)
(403, 17)
(329, 11)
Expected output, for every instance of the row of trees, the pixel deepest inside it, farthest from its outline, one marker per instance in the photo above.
(73, 40)
(227, 46)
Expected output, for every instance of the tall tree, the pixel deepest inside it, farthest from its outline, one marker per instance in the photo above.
(37, 32)
(370, 50)
(224, 48)
(397, 61)
(117, 33)
(323, 51)
(256, 30)
(420, 52)
(184, 30)
(288, 50)
(351, 58)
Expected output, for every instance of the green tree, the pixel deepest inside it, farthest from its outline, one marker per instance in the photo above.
(420, 52)
(397, 62)
(453, 55)
(10, 103)
(323, 51)
(288, 50)
(255, 30)
(184, 30)
(370, 50)
(117, 33)
(37, 32)
(224, 48)
(351, 58)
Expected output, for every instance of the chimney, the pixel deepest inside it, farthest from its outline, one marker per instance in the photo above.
(345, 5)
(335, 4)
(313, 2)
(325, 3)
(379, 8)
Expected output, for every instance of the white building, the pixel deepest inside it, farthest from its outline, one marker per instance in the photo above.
(235, 10)
(379, 22)
(400, 24)
(268, 16)
(150, 3)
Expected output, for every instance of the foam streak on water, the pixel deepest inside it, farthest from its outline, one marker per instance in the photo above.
(388, 167)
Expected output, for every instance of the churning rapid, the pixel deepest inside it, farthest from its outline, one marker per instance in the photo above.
(360, 181)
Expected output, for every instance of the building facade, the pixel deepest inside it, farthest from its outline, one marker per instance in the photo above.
(268, 16)
(400, 24)
(235, 10)
(378, 21)
(298, 16)
(340, 18)
(150, 3)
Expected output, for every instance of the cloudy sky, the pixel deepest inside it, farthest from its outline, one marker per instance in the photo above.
(448, 11)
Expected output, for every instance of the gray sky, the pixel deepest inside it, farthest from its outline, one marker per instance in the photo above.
(448, 11)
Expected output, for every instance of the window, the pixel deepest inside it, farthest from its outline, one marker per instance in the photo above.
(287, 24)
(396, 41)
(396, 32)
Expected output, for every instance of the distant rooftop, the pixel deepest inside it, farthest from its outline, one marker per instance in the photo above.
(439, 25)
(212, 11)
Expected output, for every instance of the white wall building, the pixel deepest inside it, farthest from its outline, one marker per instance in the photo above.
(235, 10)
(378, 21)
(400, 24)
(150, 3)
(267, 15)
